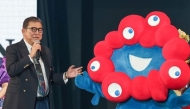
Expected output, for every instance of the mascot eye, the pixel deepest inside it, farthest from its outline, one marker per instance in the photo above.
(95, 66)
(174, 72)
(114, 90)
(153, 20)
(128, 33)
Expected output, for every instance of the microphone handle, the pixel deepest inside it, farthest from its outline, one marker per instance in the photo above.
(38, 54)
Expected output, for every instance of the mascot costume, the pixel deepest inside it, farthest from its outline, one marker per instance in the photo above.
(140, 66)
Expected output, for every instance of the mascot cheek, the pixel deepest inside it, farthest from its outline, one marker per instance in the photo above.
(176, 49)
(116, 89)
(175, 74)
(157, 89)
(139, 88)
(113, 40)
(102, 49)
(165, 34)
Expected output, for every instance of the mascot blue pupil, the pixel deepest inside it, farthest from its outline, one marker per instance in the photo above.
(177, 73)
(117, 93)
(93, 67)
(155, 18)
(130, 31)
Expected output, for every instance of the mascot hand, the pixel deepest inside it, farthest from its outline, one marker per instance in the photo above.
(180, 101)
(84, 82)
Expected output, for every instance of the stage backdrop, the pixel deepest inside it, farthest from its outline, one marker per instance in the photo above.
(12, 15)
(73, 27)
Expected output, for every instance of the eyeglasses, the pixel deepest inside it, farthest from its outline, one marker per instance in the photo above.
(34, 29)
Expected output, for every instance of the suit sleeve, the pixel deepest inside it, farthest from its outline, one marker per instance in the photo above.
(14, 64)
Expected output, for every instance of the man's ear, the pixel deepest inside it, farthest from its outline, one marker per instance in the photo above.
(23, 31)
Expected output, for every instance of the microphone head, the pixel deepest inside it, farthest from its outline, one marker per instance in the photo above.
(38, 51)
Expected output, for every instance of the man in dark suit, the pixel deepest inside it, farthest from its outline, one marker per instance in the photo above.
(23, 91)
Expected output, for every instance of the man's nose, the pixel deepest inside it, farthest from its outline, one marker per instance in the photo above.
(36, 32)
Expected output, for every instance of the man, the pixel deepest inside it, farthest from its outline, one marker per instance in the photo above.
(30, 84)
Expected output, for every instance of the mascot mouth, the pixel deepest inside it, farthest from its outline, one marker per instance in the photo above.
(138, 63)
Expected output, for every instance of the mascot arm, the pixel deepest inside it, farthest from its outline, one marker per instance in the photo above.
(84, 82)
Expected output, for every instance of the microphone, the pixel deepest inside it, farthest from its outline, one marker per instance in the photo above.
(38, 54)
(38, 51)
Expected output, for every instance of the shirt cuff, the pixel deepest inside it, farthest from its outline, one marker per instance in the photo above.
(65, 79)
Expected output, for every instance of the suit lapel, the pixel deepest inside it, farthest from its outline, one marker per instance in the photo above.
(23, 49)
(24, 52)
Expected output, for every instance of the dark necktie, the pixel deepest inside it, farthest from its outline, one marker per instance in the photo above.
(41, 83)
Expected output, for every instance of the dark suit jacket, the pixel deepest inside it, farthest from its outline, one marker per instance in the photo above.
(22, 89)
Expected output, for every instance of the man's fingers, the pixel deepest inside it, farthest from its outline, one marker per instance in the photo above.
(79, 68)
(72, 66)
(81, 73)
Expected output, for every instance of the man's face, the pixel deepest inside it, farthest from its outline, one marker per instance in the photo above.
(33, 32)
